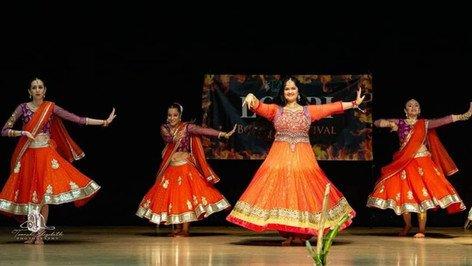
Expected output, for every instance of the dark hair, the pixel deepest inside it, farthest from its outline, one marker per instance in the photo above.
(280, 100)
(37, 79)
(177, 106)
(412, 99)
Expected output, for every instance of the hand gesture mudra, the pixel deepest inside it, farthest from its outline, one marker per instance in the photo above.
(110, 118)
(229, 134)
(359, 98)
(468, 114)
(250, 100)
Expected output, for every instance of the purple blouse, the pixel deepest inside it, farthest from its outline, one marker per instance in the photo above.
(404, 128)
(189, 130)
(25, 113)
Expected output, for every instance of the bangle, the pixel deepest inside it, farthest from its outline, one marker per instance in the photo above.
(354, 104)
(105, 123)
(464, 116)
(15, 133)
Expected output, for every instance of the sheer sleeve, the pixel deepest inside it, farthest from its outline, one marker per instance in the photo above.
(11, 121)
(64, 114)
(197, 130)
(434, 123)
(318, 112)
(165, 133)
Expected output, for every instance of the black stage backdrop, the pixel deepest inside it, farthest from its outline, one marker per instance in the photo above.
(140, 67)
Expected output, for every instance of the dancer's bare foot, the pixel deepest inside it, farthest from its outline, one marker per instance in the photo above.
(182, 233)
(298, 241)
(174, 232)
(39, 238)
(30, 240)
(419, 235)
(288, 241)
(467, 224)
(406, 229)
(39, 241)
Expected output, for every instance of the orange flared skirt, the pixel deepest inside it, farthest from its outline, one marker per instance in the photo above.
(181, 195)
(286, 194)
(418, 187)
(43, 177)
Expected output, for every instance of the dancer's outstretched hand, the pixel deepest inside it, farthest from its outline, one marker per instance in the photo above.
(250, 100)
(229, 134)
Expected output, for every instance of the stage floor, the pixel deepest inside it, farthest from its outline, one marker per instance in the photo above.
(232, 246)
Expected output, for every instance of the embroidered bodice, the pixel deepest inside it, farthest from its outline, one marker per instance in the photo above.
(292, 126)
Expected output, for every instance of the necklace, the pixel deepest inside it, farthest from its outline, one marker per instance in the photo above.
(173, 130)
(33, 106)
(411, 121)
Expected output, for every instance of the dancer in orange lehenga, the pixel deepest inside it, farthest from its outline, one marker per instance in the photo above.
(183, 191)
(287, 191)
(40, 170)
(415, 181)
